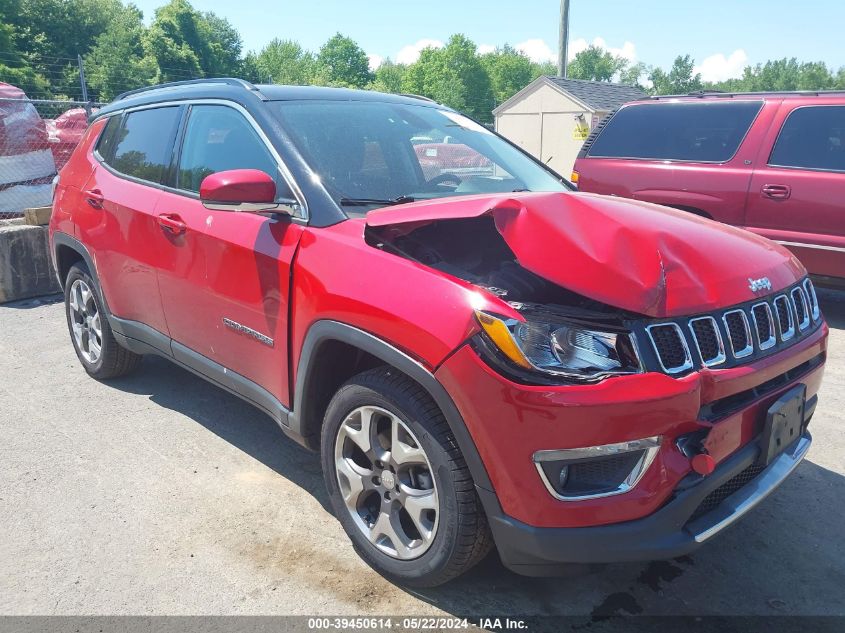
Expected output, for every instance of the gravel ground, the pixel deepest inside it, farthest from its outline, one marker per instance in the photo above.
(160, 494)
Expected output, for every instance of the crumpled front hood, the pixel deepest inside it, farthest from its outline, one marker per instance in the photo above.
(641, 257)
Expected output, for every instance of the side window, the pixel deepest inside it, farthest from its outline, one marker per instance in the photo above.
(144, 144)
(219, 138)
(105, 144)
(710, 131)
(813, 138)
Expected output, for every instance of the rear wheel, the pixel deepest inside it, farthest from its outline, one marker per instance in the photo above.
(95, 345)
(398, 483)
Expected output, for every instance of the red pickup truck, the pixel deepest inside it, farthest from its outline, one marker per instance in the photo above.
(771, 163)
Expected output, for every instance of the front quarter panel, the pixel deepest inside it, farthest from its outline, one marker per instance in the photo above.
(422, 312)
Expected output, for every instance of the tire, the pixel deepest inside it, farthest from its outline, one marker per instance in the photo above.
(450, 533)
(98, 351)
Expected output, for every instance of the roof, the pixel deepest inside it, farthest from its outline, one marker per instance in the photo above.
(593, 95)
(716, 94)
(599, 95)
(241, 91)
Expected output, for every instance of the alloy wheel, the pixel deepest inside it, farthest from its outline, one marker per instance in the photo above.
(85, 321)
(386, 482)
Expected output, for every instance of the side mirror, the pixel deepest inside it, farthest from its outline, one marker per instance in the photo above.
(245, 191)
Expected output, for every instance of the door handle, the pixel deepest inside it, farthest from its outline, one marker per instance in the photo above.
(777, 192)
(172, 223)
(94, 197)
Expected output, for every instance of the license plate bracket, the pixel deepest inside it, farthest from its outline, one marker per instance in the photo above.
(784, 423)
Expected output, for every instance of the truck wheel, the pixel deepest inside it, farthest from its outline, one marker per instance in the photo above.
(398, 483)
(95, 345)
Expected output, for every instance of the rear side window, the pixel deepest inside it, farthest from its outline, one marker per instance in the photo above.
(145, 143)
(105, 145)
(813, 138)
(688, 131)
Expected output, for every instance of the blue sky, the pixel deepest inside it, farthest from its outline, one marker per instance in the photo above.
(722, 36)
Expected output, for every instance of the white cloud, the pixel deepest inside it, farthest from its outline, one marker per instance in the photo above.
(627, 51)
(719, 68)
(483, 49)
(375, 60)
(540, 51)
(411, 53)
(537, 50)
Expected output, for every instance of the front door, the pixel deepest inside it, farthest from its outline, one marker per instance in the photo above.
(225, 286)
(797, 196)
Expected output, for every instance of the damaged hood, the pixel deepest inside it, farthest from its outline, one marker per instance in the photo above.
(633, 255)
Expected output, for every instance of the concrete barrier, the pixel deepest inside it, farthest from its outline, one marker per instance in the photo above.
(26, 269)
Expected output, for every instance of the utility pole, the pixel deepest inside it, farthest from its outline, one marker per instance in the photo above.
(563, 38)
(83, 84)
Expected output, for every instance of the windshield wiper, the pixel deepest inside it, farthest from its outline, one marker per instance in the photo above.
(362, 202)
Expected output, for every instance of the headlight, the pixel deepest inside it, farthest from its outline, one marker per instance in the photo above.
(553, 347)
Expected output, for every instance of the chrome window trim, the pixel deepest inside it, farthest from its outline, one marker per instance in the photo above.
(772, 340)
(687, 356)
(810, 289)
(284, 171)
(785, 336)
(721, 357)
(651, 446)
(748, 349)
(803, 325)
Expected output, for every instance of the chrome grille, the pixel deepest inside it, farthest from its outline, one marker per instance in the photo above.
(738, 335)
(786, 320)
(810, 291)
(708, 340)
(764, 324)
(671, 347)
(799, 301)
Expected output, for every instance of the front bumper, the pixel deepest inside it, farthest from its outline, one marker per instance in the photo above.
(667, 533)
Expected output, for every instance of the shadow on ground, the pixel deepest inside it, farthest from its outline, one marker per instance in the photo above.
(769, 558)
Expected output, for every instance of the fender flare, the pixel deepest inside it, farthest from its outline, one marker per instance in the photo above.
(63, 239)
(326, 330)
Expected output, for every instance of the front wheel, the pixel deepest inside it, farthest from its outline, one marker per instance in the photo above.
(398, 483)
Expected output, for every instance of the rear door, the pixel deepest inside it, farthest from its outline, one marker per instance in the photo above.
(225, 276)
(797, 194)
(117, 220)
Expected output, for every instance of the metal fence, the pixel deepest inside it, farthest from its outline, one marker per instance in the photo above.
(37, 137)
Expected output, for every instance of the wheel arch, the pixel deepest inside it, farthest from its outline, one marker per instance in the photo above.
(334, 350)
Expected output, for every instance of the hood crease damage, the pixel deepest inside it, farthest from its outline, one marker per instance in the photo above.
(557, 247)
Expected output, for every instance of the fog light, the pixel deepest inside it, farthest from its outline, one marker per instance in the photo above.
(576, 474)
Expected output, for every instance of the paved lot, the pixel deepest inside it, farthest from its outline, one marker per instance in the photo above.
(159, 494)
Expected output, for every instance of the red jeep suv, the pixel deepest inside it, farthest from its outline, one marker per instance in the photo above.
(772, 163)
(482, 358)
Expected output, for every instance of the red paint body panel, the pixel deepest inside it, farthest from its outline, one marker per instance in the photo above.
(509, 422)
(648, 259)
(810, 222)
(425, 313)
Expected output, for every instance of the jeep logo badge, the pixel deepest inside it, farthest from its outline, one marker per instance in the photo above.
(757, 285)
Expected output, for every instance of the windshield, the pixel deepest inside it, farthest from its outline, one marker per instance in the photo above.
(370, 154)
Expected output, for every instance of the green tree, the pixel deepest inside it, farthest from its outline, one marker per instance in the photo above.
(186, 43)
(389, 77)
(454, 76)
(509, 72)
(285, 62)
(118, 62)
(679, 80)
(596, 64)
(14, 69)
(341, 62)
(632, 74)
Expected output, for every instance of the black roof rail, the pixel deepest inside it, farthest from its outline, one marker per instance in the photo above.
(413, 96)
(763, 93)
(227, 81)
